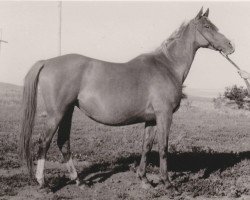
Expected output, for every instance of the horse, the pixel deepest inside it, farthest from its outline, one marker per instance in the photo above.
(146, 89)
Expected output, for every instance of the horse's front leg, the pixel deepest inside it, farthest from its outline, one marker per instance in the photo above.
(164, 120)
(148, 140)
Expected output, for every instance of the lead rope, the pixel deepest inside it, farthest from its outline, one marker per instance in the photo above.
(232, 62)
(238, 68)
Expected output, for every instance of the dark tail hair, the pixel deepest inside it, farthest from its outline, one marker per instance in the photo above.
(29, 111)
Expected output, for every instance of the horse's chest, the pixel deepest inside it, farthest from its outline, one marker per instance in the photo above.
(177, 106)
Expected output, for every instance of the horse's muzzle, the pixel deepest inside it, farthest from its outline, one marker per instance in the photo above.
(230, 48)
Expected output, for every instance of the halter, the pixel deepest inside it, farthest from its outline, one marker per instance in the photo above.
(206, 39)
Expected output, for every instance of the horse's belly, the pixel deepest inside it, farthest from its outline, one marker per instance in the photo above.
(115, 114)
(112, 121)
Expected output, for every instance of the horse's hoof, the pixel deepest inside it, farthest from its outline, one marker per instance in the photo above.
(77, 182)
(164, 185)
(44, 190)
(41, 182)
(138, 174)
(146, 185)
(168, 185)
(83, 186)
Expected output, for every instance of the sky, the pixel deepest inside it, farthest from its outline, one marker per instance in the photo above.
(118, 32)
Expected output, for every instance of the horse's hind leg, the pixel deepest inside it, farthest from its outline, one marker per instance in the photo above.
(148, 140)
(63, 142)
(44, 144)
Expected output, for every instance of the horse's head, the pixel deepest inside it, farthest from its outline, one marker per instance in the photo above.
(208, 36)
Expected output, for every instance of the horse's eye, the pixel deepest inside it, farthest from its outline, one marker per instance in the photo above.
(207, 26)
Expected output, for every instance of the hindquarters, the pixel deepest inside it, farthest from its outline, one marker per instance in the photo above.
(59, 83)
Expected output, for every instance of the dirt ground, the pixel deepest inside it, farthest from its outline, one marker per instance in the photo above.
(209, 156)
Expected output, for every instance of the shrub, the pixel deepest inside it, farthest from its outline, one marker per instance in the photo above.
(237, 94)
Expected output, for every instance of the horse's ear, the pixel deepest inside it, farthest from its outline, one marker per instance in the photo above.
(206, 13)
(199, 15)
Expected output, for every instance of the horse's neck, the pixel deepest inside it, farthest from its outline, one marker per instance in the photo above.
(180, 54)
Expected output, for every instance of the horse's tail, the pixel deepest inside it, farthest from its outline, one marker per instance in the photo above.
(29, 111)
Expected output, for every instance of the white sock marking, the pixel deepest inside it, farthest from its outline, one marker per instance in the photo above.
(71, 169)
(39, 170)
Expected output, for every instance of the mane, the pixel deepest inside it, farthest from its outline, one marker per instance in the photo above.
(174, 36)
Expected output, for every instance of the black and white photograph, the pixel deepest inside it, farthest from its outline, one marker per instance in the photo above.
(125, 100)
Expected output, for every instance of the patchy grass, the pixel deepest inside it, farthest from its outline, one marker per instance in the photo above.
(209, 155)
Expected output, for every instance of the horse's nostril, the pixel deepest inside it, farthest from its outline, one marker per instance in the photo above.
(231, 45)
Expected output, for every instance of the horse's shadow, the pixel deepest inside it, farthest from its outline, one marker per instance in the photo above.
(177, 162)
